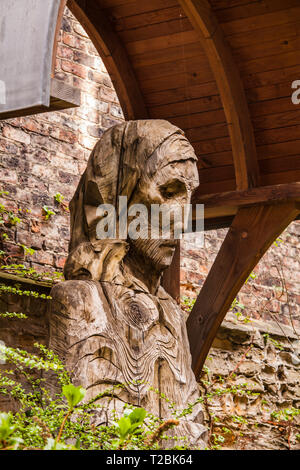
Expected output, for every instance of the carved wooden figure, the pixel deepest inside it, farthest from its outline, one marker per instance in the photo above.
(112, 321)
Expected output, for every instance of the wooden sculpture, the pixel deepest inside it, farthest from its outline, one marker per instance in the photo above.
(111, 321)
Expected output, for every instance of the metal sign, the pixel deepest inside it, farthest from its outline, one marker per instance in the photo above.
(27, 32)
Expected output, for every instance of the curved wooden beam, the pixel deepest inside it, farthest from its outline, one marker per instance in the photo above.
(113, 54)
(252, 231)
(231, 90)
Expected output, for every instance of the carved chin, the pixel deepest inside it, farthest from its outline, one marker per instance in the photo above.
(159, 253)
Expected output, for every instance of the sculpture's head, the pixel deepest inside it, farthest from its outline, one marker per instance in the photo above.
(170, 176)
(150, 162)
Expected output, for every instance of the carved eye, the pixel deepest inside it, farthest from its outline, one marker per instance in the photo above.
(172, 189)
(169, 194)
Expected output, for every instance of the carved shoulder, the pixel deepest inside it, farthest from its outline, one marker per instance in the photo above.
(78, 300)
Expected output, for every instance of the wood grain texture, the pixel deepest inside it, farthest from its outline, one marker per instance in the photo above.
(231, 91)
(112, 322)
(251, 233)
(230, 202)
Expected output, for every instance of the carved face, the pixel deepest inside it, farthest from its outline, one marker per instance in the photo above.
(171, 182)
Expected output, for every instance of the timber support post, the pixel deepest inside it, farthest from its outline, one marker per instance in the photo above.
(171, 277)
(252, 231)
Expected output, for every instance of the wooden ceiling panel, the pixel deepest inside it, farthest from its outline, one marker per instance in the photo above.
(164, 54)
(182, 108)
(156, 44)
(203, 133)
(192, 121)
(254, 9)
(246, 25)
(196, 64)
(159, 30)
(149, 18)
(189, 79)
(180, 94)
(279, 149)
(222, 4)
(215, 159)
(123, 9)
(285, 31)
(204, 147)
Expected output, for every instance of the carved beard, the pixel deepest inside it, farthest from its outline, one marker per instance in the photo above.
(157, 253)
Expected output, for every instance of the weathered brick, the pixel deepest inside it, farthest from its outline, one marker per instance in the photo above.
(60, 261)
(84, 59)
(74, 41)
(65, 52)
(76, 69)
(79, 30)
(108, 94)
(16, 134)
(87, 142)
(116, 111)
(95, 131)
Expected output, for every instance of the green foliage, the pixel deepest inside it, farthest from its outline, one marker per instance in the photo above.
(130, 424)
(7, 429)
(59, 198)
(27, 251)
(187, 303)
(276, 343)
(47, 212)
(62, 421)
(4, 289)
(73, 394)
(30, 273)
(13, 315)
(286, 414)
(13, 219)
(237, 309)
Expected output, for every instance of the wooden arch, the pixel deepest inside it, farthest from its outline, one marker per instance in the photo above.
(222, 71)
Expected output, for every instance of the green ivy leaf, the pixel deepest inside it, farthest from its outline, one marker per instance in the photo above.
(73, 394)
(137, 416)
(124, 425)
(6, 427)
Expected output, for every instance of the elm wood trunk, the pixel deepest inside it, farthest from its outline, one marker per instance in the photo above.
(112, 322)
(253, 230)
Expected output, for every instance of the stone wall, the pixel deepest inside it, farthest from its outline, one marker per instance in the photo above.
(259, 365)
(46, 154)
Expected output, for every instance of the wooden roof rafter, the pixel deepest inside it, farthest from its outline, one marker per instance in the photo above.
(231, 90)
